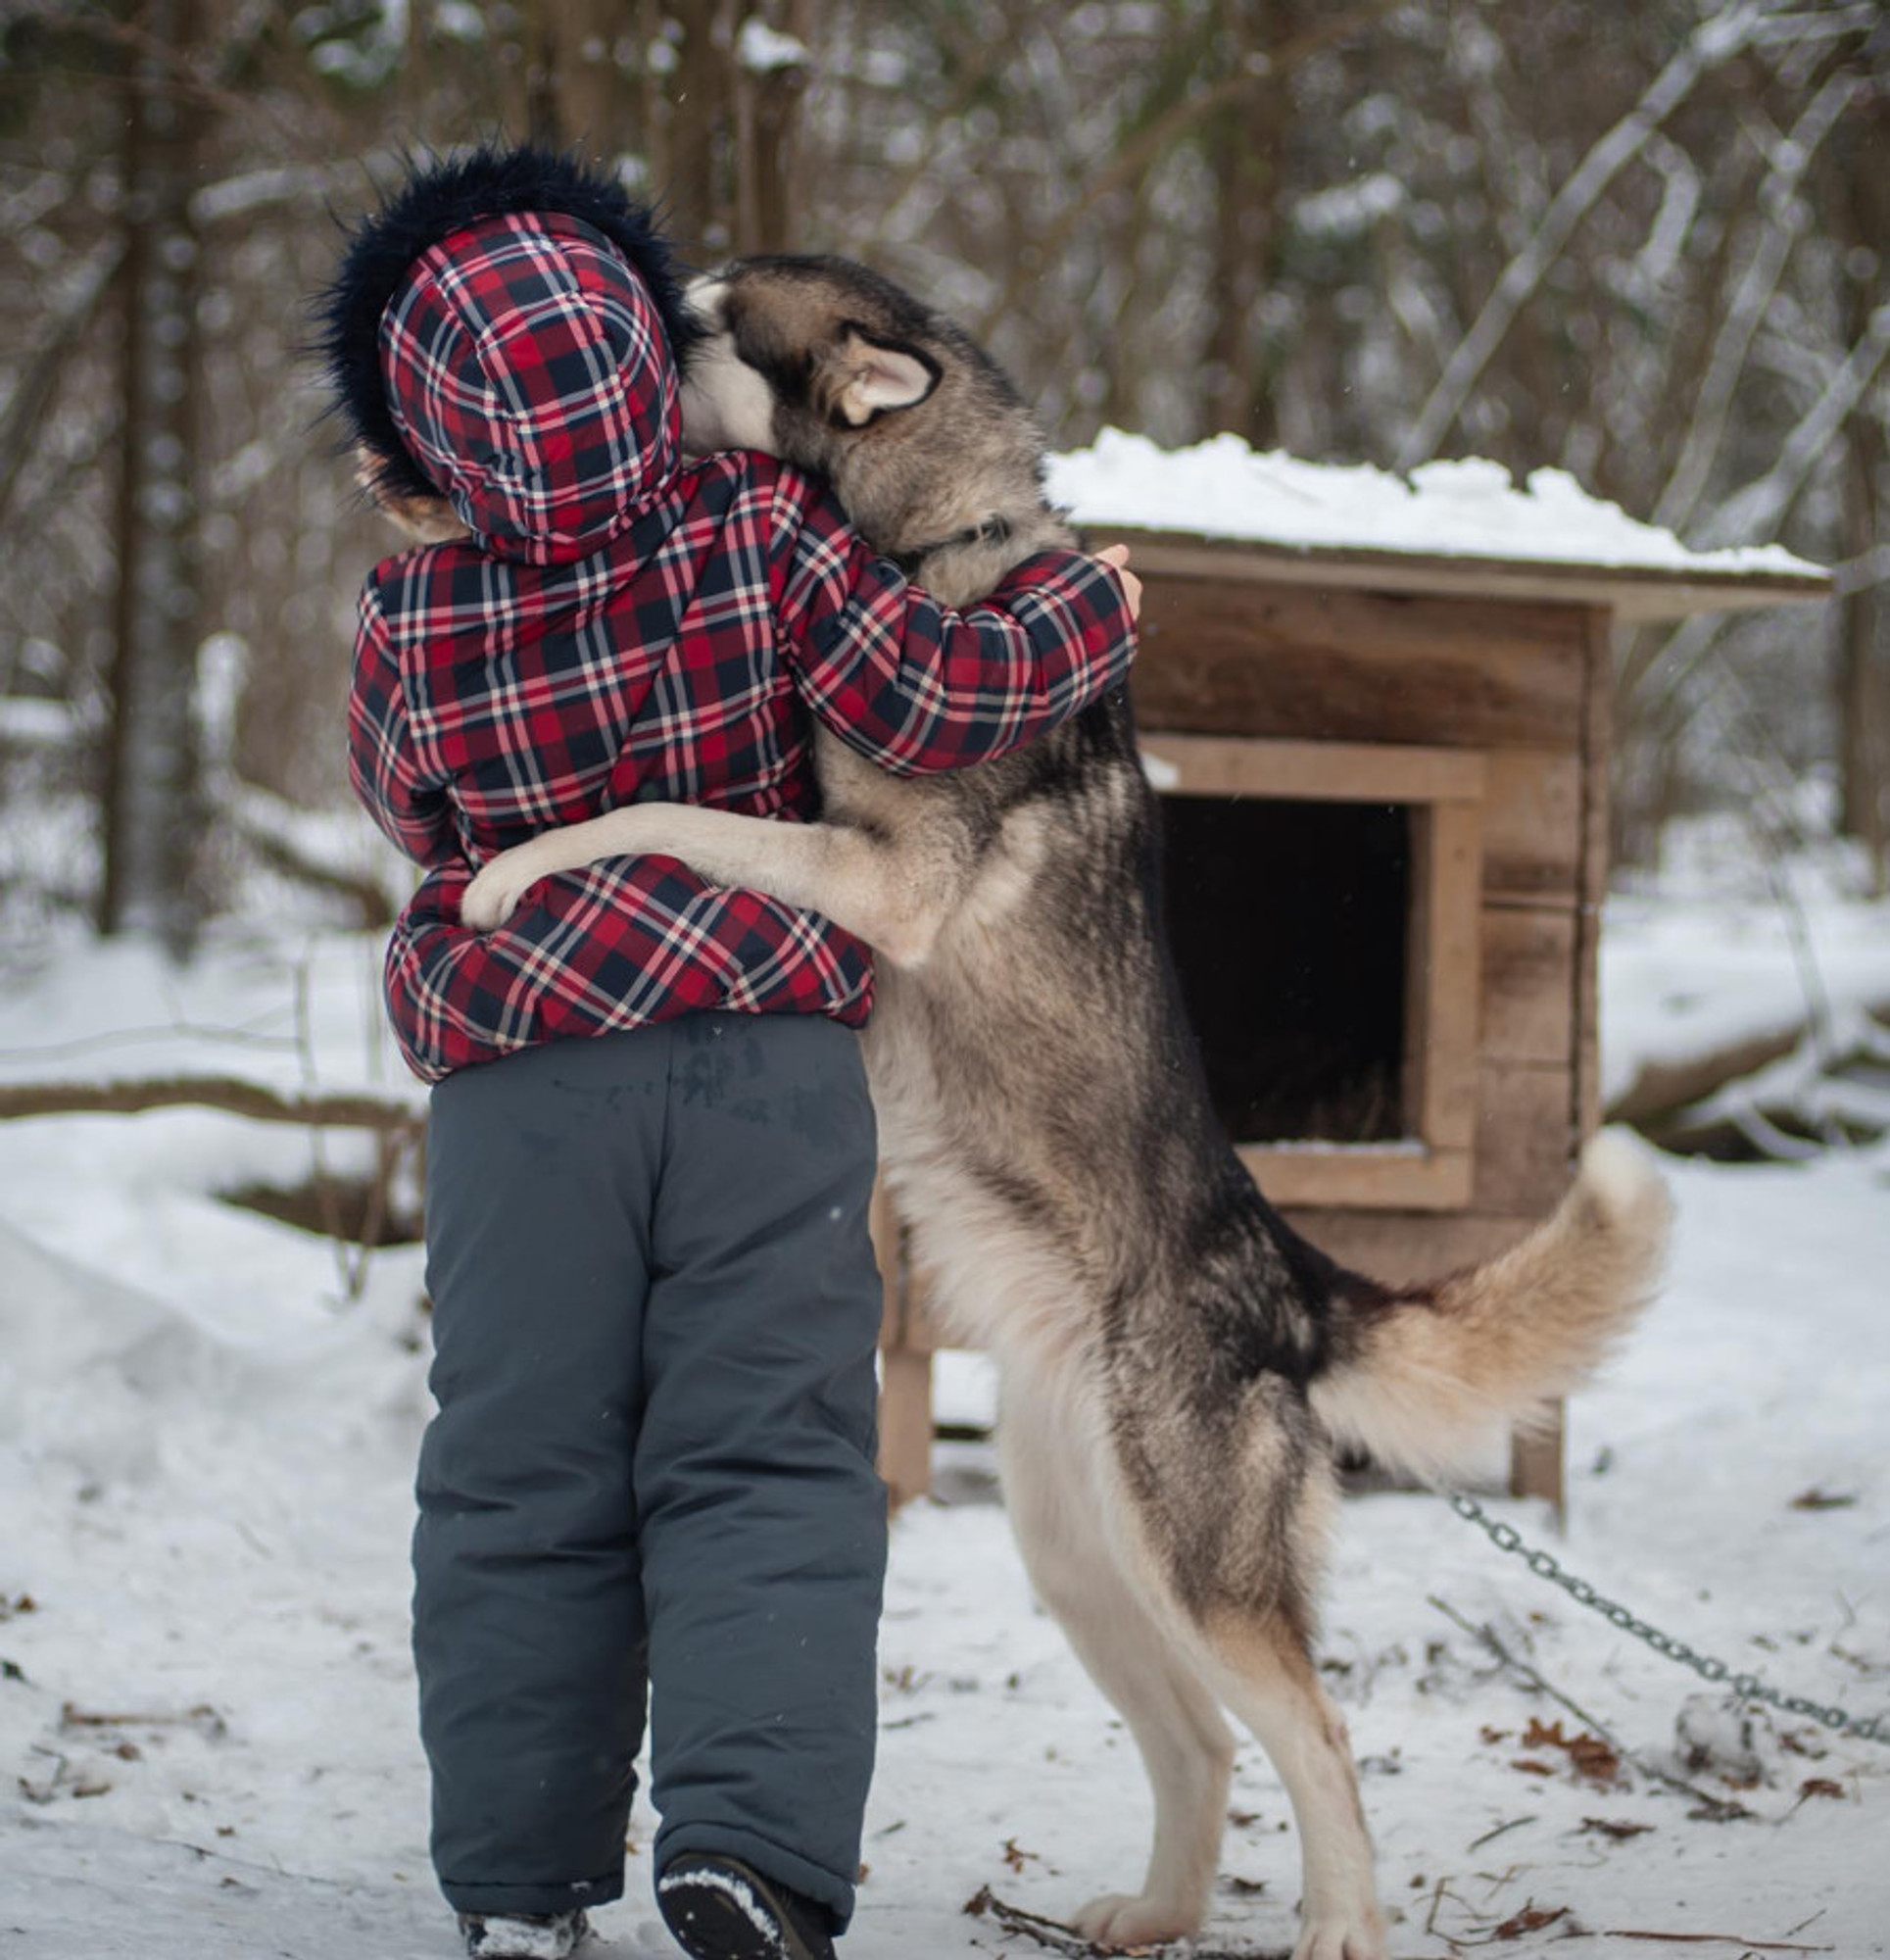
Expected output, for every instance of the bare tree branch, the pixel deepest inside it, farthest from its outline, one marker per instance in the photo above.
(1709, 46)
(1756, 511)
(1129, 163)
(1706, 429)
(33, 392)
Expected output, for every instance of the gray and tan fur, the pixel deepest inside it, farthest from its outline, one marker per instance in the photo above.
(1178, 1365)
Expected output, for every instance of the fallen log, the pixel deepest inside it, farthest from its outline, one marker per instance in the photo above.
(1661, 1089)
(383, 1115)
(1736, 1104)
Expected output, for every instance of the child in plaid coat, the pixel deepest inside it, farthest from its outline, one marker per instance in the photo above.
(651, 1147)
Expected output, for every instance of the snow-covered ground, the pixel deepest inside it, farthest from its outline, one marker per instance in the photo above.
(204, 1454)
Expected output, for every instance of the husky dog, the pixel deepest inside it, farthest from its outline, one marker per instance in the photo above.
(1178, 1365)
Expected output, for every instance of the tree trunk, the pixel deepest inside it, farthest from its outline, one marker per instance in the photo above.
(152, 818)
(769, 101)
(1862, 679)
(566, 91)
(1245, 146)
(699, 193)
(1864, 664)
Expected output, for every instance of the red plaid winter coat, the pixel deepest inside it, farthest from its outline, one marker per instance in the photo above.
(623, 627)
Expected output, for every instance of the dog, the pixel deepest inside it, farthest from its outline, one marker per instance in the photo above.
(1179, 1368)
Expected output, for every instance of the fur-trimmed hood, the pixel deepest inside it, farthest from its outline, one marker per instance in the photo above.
(505, 331)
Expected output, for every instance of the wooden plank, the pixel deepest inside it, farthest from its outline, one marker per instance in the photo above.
(1533, 826)
(1388, 1177)
(1220, 766)
(1596, 741)
(1447, 976)
(1632, 592)
(1529, 985)
(1526, 1138)
(1221, 656)
(1403, 1246)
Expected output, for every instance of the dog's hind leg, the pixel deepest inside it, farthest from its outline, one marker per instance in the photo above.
(1266, 1677)
(1134, 1658)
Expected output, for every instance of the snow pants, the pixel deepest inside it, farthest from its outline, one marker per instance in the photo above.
(655, 1312)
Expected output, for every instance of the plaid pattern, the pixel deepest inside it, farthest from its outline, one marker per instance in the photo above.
(494, 696)
(530, 379)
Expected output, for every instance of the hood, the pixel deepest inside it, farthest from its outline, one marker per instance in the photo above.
(506, 333)
(527, 375)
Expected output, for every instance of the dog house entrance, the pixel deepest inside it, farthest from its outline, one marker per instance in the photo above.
(1289, 924)
(1322, 905)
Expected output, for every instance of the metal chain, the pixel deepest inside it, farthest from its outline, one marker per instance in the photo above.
(1747, 1686)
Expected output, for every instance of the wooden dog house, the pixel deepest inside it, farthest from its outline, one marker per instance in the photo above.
(1385, 782)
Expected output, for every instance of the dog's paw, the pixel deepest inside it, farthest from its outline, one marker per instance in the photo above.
(494, 894)
(1344, 1936)
(1124, 1920)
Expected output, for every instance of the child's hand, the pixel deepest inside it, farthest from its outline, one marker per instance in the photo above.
(1118, 557)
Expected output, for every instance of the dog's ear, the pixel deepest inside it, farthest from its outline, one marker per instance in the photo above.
(876, 376)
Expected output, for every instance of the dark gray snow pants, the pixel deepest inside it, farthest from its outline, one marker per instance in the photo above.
(654, 1311)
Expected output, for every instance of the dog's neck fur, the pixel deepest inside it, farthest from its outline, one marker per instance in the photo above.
(968, 564)
(994, 531)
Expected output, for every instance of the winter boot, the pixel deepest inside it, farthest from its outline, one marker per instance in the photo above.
(508, 1936)
(720, 1909)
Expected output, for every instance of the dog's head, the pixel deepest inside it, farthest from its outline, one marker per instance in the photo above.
(800, 354)
(838, 370)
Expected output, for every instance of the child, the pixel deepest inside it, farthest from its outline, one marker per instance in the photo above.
(650, 1145)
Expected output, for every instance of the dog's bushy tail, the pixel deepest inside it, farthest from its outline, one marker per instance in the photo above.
(1425, 1377)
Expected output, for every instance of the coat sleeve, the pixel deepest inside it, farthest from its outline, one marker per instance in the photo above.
(915, 686)
(383, 762)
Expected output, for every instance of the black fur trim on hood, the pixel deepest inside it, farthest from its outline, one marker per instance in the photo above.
(440, 198)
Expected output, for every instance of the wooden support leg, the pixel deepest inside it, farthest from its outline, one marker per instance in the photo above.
(905, 1365)
(1536, 1463)
(905, 1423)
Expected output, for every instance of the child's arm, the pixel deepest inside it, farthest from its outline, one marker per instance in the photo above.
(915, 686)
(381, 761)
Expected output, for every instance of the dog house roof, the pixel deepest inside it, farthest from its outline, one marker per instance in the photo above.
(1450, 527)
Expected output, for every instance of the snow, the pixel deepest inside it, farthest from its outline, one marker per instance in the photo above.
(206, 1453)
(1470, 508)
(1792, 946)
(737, 1891)
(299, 1013)
(761, 49)
(1763, 983)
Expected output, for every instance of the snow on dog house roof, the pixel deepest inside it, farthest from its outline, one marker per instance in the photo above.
(1460, 527)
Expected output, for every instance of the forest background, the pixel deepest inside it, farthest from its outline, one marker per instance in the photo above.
(1644, 242)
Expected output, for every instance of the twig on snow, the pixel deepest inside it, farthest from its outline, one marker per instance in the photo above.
(1066, 1940)
(1722, 1940)
(1050, 1932)
(1515, 1823)
(1718, 1809)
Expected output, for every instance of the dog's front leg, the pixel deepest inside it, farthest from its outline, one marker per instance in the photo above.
(844, 873)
